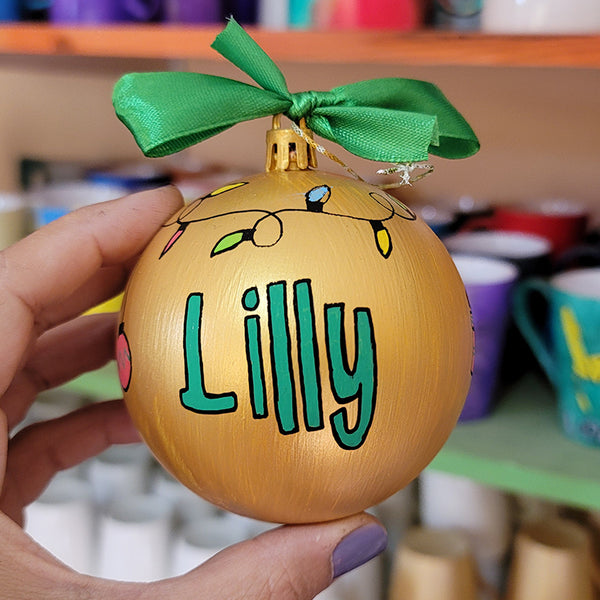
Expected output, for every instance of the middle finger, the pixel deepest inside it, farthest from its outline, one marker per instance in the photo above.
(81, 345)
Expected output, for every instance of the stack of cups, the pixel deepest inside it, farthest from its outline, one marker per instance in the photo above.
(481, 513)
(119, 471)
(201, 539)
(62, 521)
(431, 564)
(398, 514)
(552, 560)
(135, 538)
(134, 528)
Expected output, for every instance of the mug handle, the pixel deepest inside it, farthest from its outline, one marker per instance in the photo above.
(526, 324)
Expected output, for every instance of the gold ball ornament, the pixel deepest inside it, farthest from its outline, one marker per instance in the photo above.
(295, 346)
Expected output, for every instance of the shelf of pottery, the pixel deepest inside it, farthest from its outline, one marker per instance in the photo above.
(524, 448)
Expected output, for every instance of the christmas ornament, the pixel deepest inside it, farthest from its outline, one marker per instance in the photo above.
(295, 346)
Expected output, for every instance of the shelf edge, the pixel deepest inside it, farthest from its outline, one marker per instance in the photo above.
(424, 48)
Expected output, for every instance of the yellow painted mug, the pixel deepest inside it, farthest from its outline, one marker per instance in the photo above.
(567, 344)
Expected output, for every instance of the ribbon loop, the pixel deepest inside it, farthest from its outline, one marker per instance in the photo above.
(393, 120)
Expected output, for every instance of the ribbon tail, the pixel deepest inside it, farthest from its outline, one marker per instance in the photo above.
(454, 139)
(238, 47)
(167, 112)
(375, 133)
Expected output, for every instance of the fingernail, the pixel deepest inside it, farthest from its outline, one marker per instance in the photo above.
(358, 547)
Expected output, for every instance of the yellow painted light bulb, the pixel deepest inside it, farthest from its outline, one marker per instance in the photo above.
(296, 346)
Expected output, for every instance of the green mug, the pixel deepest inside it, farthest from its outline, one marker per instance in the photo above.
(567, 345)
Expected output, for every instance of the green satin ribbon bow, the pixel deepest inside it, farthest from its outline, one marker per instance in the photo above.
(389, 120)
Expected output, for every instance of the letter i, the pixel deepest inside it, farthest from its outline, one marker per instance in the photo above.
(308, 355)
(256, 372)
(281, 359)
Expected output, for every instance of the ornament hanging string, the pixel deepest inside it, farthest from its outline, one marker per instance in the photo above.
(322, 150)
(388, 120)
(404, 169)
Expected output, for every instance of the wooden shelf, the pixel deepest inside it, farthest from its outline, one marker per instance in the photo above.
(378, 47)
(520, 448)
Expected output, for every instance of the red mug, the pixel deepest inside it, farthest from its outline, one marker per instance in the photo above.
(561, 222)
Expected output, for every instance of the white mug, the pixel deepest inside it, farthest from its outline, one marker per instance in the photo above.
(540, 16)
(200, 540)
(135, 538)
(480, 512)
(118, 471)
(62, 521)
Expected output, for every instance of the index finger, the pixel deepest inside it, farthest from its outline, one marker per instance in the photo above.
(48, 266)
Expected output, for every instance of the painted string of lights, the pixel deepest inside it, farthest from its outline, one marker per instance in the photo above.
(315, 200)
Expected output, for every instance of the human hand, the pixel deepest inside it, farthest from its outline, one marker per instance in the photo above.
(46, 281)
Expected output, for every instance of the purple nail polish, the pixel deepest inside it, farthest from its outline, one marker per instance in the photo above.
(358, 547)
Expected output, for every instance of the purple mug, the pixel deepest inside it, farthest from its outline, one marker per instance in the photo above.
(104, 11)
(489, 283)
(192, 11)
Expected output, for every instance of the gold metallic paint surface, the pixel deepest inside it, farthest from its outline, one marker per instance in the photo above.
(422, 328)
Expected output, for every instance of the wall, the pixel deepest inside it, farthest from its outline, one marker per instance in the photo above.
(538, 127)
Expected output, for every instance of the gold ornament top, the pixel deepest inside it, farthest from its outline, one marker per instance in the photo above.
(287, 151)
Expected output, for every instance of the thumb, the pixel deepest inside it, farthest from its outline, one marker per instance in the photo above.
(293, 562)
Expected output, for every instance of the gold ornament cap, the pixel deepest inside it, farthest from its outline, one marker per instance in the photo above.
(286, 150)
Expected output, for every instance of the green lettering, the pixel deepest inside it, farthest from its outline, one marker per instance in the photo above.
(256, 372)
(194, 396)
(308, 355)
(356, 383)
(281, 360)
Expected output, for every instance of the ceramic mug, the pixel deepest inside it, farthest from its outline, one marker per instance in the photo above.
(483, 514)
(200, 540)
(104, 11)
(541, 16)
(529, 253)
(586, 254)
(489, 283)
(9, 10)
(457, 14)
(192, 11)
(560, 221)
(432, 563)
(551, 561)
(62, 521)
(134, 538)
(571, 355)
(440, 220)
